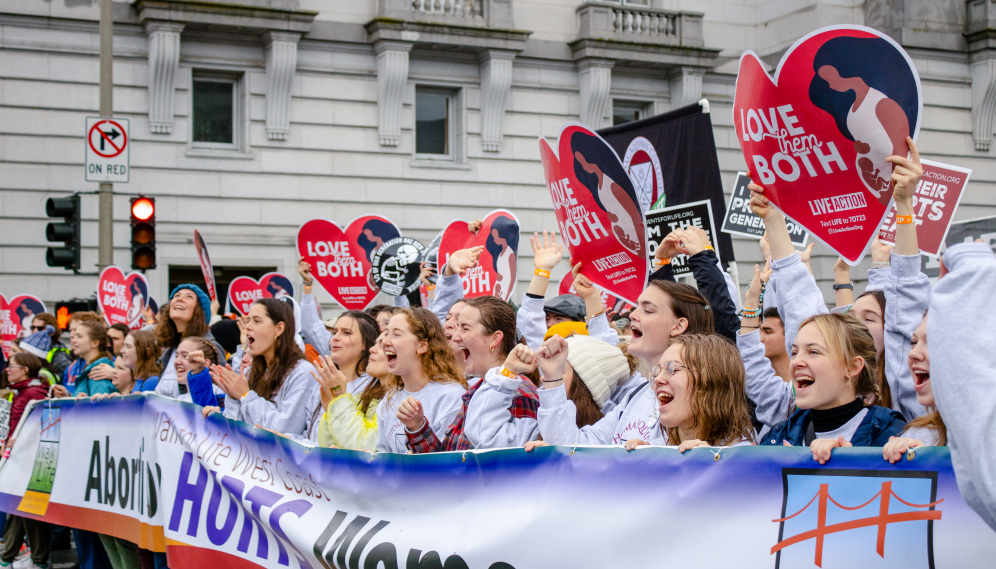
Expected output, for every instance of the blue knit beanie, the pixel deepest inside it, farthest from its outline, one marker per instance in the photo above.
(39, 343)
(203, 298)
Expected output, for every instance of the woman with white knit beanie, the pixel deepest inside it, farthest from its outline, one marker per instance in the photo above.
(601, 368)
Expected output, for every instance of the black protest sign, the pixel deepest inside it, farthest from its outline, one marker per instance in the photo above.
(432, 256)
(662, 222)
(740, 220)
(396, 266)
(962, 232)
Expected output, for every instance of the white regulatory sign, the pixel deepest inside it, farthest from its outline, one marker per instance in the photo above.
(107, 143)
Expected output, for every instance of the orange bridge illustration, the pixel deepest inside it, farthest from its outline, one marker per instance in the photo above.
(883, 519)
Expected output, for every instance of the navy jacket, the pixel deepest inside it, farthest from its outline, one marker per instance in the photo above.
(874, 431)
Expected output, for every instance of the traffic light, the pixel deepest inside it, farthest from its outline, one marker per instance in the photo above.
(68, 232)
(66, 308)
(143, 233)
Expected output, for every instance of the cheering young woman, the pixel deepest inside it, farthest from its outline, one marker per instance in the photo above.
(502, 416)
(427, 388)
(345, 374)
(186, 314)
(280, 387)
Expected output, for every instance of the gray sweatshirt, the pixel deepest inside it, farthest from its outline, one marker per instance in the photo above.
(774, 397)
(489, 423)
(531, 321)
(440, 404)
(963, 369)
(907, 295)
(635, 418)
(312, 327)
(289, 412)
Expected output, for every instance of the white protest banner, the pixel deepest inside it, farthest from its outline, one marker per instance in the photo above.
(740, 220)
(220, 494)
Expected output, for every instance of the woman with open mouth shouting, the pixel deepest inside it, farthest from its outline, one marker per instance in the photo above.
(345, 380)
(499, 407)
(833, 370)
(427, 386)
(699, 385)
(280, 387)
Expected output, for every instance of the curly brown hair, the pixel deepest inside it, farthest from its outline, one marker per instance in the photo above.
(167, 335)
(847, 339)
(716, 387)
(267, 381)
(438, 362)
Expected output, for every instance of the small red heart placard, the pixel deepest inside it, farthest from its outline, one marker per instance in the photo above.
(16, 315)
(341, 260)
(817, 135)
(122, 298)
(243, 291)
(494, 274)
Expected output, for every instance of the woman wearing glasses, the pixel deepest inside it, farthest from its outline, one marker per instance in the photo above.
(699, 387)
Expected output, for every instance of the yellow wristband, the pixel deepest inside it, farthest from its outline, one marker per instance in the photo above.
(709, 247)
(244, 395)
(430, 287)
(904, 219)
(542, 273)
(507, 373)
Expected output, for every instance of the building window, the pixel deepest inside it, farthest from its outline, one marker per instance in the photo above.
(215, 112)
(434, 124)
(626, 111)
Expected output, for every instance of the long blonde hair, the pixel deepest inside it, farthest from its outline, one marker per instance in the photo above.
(438, 362)
(847, 339)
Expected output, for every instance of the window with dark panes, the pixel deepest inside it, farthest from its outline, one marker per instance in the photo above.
(626, 111)
(214, 111)
(433, 121)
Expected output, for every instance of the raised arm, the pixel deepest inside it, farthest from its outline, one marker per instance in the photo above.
(312, 328)
(530, 319)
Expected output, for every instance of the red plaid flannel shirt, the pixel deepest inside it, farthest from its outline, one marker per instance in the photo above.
(525, 404)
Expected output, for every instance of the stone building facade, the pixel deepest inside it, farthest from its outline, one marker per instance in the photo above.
(249, 117)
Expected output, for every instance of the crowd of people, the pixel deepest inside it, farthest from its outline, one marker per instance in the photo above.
(477, 373)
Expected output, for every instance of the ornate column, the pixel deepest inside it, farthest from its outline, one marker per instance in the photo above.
(595, 79)
(281, 62)
(686, 86)
(164, 60)
(392, 74)
(496, 81)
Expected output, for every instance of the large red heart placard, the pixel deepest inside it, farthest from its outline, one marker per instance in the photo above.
(16, 315)
(340, 260)
(610, 301)
(243, 291)
(122, 298)
(817, 135)
(495, 273)
(598, 211)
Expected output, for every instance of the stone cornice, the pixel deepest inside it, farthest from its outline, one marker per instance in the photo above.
(468, 37)
(653, 54)
(246, 16)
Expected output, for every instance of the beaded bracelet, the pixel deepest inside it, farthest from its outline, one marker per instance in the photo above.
(749, 312)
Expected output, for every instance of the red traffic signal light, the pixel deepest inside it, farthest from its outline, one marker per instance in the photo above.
(143, 209)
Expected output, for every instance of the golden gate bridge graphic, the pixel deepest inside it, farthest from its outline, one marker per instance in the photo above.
(822, 500)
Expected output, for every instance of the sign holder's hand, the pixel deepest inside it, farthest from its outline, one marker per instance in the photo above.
(586, 290)
(475, 226)
(304, 269)
(462, 260)
(905, 177)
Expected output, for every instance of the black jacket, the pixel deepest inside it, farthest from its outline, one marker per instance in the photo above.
(712, 284)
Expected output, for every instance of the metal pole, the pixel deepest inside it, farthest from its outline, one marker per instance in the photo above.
(105, 243)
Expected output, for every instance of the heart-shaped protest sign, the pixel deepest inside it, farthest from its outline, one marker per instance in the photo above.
(843, 99)
(611, 301)
(243, 291)
(598, 211)
(494, 274)
(122, 298)
(341, 260)
(16, 315)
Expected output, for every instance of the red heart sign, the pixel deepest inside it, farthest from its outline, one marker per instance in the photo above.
(243, 291)
(613, 303)
(16, 316)
(598, 211)
(122, 298)
(494, 274)
(340, 260)
(817, 136)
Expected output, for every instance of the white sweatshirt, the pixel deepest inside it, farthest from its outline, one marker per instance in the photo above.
(489, 423)
(635, 418)
(288, 413)
(963, 369)
(440, 404)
